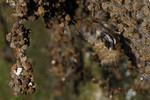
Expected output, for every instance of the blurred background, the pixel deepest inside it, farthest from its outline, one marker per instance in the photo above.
(37, 54)
(91, 82)
(40, 58)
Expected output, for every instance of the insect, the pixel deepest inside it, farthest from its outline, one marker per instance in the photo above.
(105, 42)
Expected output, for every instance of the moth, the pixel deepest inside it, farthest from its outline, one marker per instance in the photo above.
(104, 40)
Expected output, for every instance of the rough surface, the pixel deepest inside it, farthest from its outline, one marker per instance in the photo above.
(113, 30)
